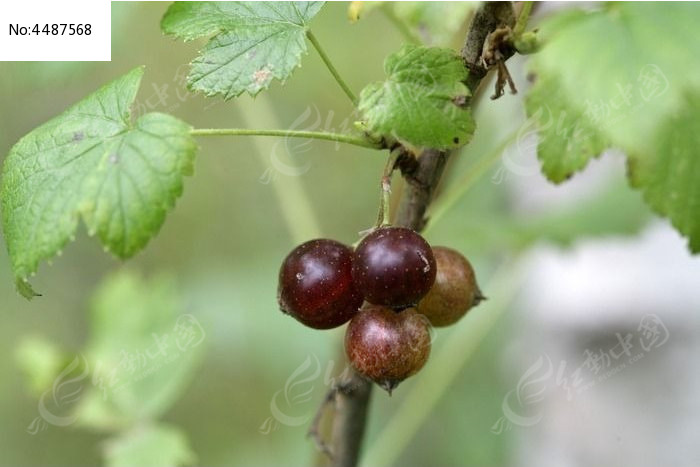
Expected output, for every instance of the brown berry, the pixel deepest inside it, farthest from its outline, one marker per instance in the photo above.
(387, 346)
(454, 292)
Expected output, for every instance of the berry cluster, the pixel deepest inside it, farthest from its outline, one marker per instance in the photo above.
(405, 286)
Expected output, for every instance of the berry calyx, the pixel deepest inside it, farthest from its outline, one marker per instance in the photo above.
(454, 292)
(315, 284)
(387, 346)
(393, 266)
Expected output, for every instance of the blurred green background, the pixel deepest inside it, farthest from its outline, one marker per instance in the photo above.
(220, 250)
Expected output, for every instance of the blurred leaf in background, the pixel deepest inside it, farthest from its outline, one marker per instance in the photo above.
(639, 88)
(142, 348)
(636, 75)
(436, 23)
(40, 360)
(670, 179)
(429, 23)
(140, 357)
(150, 445)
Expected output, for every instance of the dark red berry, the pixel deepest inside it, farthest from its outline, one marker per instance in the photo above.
(393, 266)
(315, 284)
(387, 346)
(455, 290)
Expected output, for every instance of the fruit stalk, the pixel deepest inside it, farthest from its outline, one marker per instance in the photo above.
(352, 404)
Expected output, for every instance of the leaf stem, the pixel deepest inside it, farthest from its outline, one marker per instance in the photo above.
(330, 67)
(521, 22)
(410, 36)
(322, 135)
(383, 217)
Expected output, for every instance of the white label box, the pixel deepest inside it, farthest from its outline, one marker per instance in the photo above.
(64, 30)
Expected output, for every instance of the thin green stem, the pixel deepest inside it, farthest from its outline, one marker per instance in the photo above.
(322, 135)
(452, 197)
(449, 359)
(384, 217)
(330, 67)
(408, 34)
(521, 22)
(386, 201)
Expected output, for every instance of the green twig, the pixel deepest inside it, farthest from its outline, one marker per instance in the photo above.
(330, 66)
(383, 217)
(521, 22)
(322, 135)
(400, 25)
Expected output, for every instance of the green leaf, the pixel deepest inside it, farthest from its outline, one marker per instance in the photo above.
(252, 43)
(422, 103)
(140, 355)
(93, 162)
(670, 177)
(567, 137)
(627, 65)
(622, 75)
(149, 446)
